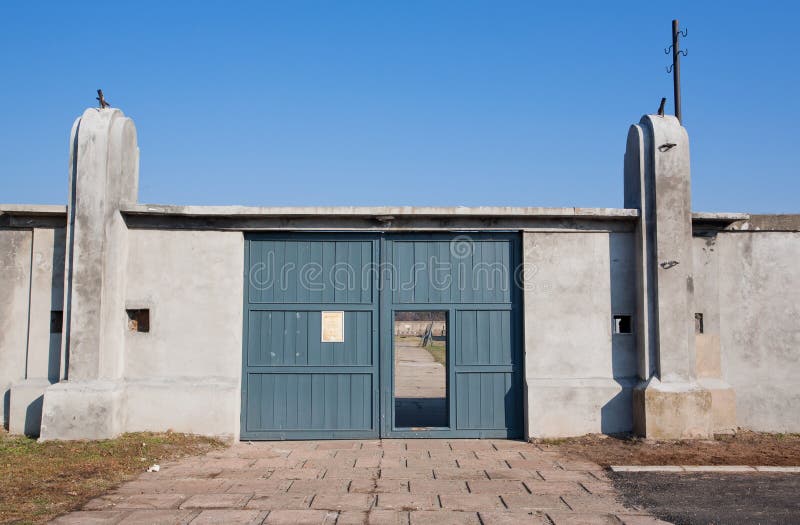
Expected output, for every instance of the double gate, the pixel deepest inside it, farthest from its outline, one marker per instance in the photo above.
(319, 313)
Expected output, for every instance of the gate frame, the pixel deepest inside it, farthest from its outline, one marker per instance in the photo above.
(383, 340)
(387, 311)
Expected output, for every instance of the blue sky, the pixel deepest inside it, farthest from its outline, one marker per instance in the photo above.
(422, 103)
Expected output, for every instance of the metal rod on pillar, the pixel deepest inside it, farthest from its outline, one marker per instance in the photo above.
(676, 69)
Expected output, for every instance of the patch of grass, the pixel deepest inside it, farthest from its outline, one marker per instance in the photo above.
(438, 350)
(41, 480)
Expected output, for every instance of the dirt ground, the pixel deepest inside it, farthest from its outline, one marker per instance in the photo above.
(41, 480)
(742, 448)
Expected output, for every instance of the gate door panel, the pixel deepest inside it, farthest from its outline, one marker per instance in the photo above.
(310, 367)
(473, 278)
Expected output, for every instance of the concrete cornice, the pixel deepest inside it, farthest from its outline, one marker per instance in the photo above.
(33, 209)
(378, 212)
(388, 212)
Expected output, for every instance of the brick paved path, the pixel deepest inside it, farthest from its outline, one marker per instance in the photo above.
(352, 482)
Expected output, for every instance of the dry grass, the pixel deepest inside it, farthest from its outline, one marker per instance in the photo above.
(742, 448)
(41, 480)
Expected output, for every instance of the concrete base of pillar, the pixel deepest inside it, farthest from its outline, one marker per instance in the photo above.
(82, 410)
(723, 405)
(672, 410)
(25, 406)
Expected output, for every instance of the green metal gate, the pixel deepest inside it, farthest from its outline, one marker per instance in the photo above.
(295, 386)
(301, 383)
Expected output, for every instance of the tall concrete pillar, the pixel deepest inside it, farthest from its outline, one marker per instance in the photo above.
(104, 172)
(669, 402)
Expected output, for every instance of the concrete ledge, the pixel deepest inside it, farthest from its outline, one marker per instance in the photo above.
(387, 212)
(33, 209)
(738, 469)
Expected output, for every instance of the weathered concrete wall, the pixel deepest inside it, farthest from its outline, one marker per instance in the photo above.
(759, 298)
(31, 285)
(185, 373)
(15, 268)
(578, 374)
(708, 353)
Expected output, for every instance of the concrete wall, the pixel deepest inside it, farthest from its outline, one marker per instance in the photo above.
(15, 268)
(185, 373)
(31, 285)
(759, 302)
(578, 375)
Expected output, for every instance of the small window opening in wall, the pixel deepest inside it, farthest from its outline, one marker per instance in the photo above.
(56, 321)
(139, 320)
(623, 324)
(698, 323)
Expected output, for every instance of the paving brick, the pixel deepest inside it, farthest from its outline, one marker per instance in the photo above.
(444, 517)
(512, 473)
(593, 503)
(428, 463)
(438, 486)
(374, 486)
(297, 473)
(503, 455)
(259, 486)
(533, 461)
(273, 463)
(301, 517)
(565, 475)
(151, 501)
(352, 473)
(233, 517)
(179, 486)
(532, 502)
(505, 517)
(582, 518)
(406, 473)
(482, 464)
(408, 501)
(280, 501)
(459, 473)
(338, 445)
(496, 486)
(330, 463)
(474, 502)
(392, 463)
(471, 444)
(351, 501)
(317, 486)
(554, 487)
(368, 462)
(159, 517)
(373, 517)
(216, 501)
(427, 444)
(98, 517)
(510, 444)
